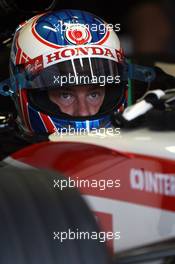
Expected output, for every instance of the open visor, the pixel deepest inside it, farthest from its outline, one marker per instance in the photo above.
(71, 74)
(79, 71)
(104, 98)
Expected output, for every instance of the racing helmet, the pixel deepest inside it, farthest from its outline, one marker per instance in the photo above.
(65, 49)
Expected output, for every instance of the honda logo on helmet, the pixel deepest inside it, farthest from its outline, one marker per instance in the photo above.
(77, 34)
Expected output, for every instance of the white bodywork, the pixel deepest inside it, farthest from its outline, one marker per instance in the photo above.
(138, 224)
(140, 141)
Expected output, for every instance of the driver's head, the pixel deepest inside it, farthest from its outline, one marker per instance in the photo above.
(66, 71)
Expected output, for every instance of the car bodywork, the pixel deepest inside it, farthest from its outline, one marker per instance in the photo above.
(142, 208)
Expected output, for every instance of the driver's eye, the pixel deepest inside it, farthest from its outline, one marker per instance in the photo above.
(66, 98)
(95, 94)
(65, 95)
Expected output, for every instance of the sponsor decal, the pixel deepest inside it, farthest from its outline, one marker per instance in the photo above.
(77, 34)
(35, 65)
(63, 54)
(153, 182)
(82, 52)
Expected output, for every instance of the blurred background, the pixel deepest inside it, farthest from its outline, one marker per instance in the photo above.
(147, 27)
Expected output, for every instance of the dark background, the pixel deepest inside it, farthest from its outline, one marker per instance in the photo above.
(126, 12)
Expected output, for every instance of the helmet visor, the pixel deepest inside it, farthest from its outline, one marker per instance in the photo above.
(51, 84)
(73, 72)
(77, 101)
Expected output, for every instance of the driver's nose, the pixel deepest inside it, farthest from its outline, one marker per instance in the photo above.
(82, 107)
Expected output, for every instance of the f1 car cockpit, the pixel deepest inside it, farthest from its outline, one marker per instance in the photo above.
(103, 195)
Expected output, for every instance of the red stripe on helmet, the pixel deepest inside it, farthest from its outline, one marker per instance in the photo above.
(18, 52)
(104, 38)
(21, 57)
(47, 122)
